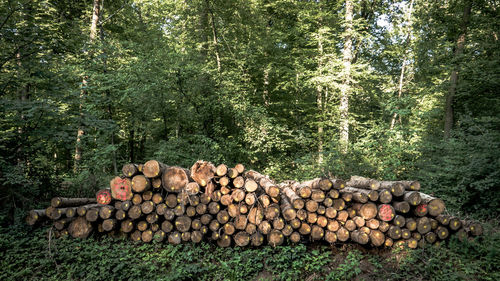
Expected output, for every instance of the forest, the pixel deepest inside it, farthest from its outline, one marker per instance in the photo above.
(391, 90)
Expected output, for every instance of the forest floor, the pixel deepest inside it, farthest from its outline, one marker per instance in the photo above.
(29, 255)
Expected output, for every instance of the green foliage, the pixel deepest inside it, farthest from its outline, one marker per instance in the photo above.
(29, 255)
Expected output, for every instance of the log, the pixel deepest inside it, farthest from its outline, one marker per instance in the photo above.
(134, 212)
(401, 207)
(347, 196)
(202, 172)
(192, 188)
(59, 202)
(385, 196)
(224, 181)
(287, 210)
(395, 187)
(70, 212)
(229, 228)
(355, 195)
(130, 170)
(251, 185)
(250, 199)
(301, 214)
(121, 188)
(62, 223)
(137, 199)
(159, 236)
(224, 241)
(420, 210)
(174, 179)
(82, 210)
(196, 236)
(330, 237)
(140, 183)
(317, 232)
(257, 239)
(147, 207)
(242, 239)
(435, 205)
(270, 187)
(330, 212)
(238, 195)
(222, 217)
(35, 216)
(174, 238)
(264, 227)
(126, 205)
(238, 182)
(221, 170)
(109, 224)
(295, 237)
(367, 211)
(126, 226)
(232, 173)
(405, 233)
(312, 206)
(120, 215)
(156, 183)
(250, 228)
(362, 182)
(264, 200)
(92, 214)
(399, 221)
(318, 195)
(411, 224)
(373, 224)
(455, 223)
(343, 234)
(377, 238)
(106, 212)
(394, 232)
(423, 225)
(338, 204)
(411, 185)
(386, 212)
(275, 238)
(80, 228)
(157, 198)
(272, 211)
(360, 237)
(153, 169)
(442, 232)
(412, 197)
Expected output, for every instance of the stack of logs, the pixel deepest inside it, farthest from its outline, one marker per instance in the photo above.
(230, 205)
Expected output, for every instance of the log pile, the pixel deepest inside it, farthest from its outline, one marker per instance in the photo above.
(231, 206)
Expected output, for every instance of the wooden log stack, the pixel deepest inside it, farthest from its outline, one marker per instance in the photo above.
(233, 206)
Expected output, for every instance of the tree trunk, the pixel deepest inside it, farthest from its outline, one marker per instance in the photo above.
(93, 34)
(345, 89)
(403, 65)
(448, 119)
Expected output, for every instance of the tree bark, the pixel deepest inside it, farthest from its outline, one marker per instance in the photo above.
(460, 44)
(403, 65)
(80, 132)
(345, 89)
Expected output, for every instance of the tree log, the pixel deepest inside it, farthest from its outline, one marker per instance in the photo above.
(270, 187)
(121, 188)
(174, 179)
(361, 182)
(59, 202)
(80, 228)
(202, 172)
(153, 169)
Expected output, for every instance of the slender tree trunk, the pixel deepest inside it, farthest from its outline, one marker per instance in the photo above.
(131, 137)
(345, 89)
(448, 119)
(320, 102)
(93, 34)
(214, 36)
(403, 65)
(265, 92)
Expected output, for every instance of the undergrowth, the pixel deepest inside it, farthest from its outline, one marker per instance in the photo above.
(29, 255)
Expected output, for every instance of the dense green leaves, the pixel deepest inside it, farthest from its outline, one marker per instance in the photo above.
(256, 82)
